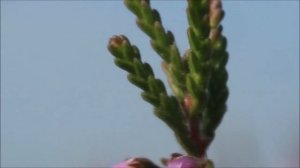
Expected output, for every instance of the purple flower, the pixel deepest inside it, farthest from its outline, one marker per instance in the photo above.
(186, 162)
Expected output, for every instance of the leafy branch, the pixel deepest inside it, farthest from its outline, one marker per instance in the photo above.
(198, 78)
(163, 42)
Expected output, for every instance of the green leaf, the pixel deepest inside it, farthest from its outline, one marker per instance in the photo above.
(127, 50)
(164, 102)
(170, 37)
(150, 98)
(136, 52)
(156, 15)
(138, 68)
(146, 28)
(138, 81)
(162, 51)
(220, 44)
(161, 113)
(192, 39)
(127, 66)
(193, 63)
(133, 7)
(160, 35)
(191, 13)
(160, 85)
(155, 85)
(146, 12)
(175, 58)
(148, 70)
(191, 86)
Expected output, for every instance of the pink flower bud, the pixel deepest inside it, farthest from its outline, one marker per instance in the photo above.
(116, 41)
(187, 103)
(215, 4)
(215, 13)
(186, 162)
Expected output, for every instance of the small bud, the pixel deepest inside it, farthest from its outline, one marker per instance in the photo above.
(215, 4)
(187, 103)
(215, 18)
(186, 162)
(215, 13)
(115, 41)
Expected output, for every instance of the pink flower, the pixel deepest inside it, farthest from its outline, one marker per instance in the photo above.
(121, 165)
(136, 163)
(186, 162)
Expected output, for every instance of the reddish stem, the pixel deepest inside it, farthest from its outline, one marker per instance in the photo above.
(193, 124)
(201, 142)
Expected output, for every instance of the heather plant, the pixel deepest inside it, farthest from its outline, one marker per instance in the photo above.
(197, 78)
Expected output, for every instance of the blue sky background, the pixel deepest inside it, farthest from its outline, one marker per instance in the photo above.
(64, 102)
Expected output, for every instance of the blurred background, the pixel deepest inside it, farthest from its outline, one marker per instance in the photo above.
(65, 104)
